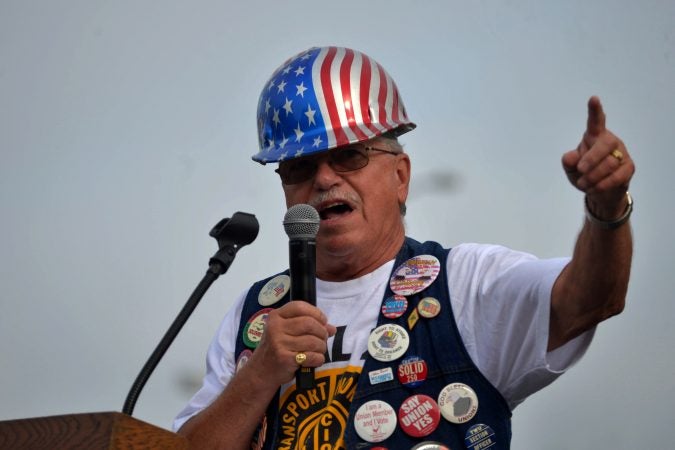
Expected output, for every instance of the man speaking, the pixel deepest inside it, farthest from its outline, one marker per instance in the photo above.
(414, 345)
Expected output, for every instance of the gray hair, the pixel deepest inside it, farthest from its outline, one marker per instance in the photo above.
(391, 139)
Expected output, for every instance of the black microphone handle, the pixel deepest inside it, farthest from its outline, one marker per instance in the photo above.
(302, 255)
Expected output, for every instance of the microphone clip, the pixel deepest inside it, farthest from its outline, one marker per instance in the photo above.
(231, 234)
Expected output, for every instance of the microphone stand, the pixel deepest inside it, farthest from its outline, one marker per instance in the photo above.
(231, 234)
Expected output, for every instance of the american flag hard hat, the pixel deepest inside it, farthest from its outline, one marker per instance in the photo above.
(325, 98)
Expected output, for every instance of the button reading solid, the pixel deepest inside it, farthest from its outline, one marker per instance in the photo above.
(412, 371)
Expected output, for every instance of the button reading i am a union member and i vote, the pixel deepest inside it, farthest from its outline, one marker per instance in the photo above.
(376, 420)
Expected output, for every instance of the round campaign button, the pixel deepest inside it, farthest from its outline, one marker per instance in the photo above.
(375, 421)
(242, 359)
(274, 290)
(419, 415)
(388, 342)
(458, 402)
(429, 307)
(412, 371)
(430, 445)
(479, 436)
(415, 275)
(255, 327)
(394, 306)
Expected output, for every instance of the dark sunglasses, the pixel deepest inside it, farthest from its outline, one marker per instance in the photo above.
(344, 159)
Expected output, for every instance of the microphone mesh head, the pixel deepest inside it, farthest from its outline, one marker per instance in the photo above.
(301, 222)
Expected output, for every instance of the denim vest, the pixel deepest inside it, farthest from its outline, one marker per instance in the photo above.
(437, 341)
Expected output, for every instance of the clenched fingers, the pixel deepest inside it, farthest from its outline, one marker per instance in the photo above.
(297, 327)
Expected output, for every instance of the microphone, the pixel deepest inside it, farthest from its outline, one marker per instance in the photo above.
(231, 234)
(301, 224)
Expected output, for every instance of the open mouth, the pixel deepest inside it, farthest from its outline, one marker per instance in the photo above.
(334, 210)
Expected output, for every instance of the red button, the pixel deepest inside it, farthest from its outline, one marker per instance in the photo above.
(412, 371)
(419, 415)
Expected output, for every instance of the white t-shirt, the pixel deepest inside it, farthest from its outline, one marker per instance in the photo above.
(501, 302)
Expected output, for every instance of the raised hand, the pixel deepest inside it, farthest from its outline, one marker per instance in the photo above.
(600, 166)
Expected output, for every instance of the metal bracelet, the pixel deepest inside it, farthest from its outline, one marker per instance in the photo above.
(610, 224)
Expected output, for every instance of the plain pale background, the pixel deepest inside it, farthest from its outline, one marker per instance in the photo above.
(126, 130)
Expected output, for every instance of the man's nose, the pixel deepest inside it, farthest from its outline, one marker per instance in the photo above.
(325, 176)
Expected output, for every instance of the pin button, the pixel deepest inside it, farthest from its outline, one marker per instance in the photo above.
(419, 415)
(394, 306)
(479, 437)
(429, 307)
(415, 275)
(255, 327)
(274, 290)
(242, 359)
(412, 371)
(388, 342)
(375, 421)
(458, 402)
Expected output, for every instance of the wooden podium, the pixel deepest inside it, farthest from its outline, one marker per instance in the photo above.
(88, 431)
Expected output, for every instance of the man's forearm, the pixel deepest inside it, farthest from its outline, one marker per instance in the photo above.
(230, 421)
(593, 286)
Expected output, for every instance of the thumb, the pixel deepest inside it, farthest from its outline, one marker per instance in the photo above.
(570, 160)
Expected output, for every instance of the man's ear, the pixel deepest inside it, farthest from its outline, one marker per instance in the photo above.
(403, 177)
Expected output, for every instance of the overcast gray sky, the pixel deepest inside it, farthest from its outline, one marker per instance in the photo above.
(126, 130)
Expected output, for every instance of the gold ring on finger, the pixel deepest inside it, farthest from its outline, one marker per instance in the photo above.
(300, 358)
(618, 154)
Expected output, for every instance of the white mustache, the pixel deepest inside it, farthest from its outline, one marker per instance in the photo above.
(335, 194)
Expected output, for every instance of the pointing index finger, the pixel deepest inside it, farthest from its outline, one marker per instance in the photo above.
(596, 117)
